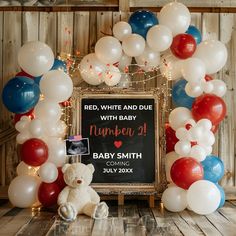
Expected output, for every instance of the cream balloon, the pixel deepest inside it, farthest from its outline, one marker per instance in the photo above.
(183, 148)
(22, 124)
(170, 158)
(124, 62)
(148, 60)
(219, 87)
(121, 29)
(174, 199)
(178, 117)
(181, 133)
(48, 172)
(108, 50)
(193, 90)
(56, 86)
(22, 191)
(159, 38)
(36, 128)
(92, 70)
(57, 129)
(203, 197)
(206, 86)
(35, 58)
(22, 137)
(213, 54)
(133, 45)
(207, 138)
(47, 110)
(197, 152)
(24, 169)
(113, 76)
(176, 17)
(205, 124)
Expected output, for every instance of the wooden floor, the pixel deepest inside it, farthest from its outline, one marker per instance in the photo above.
(135, 218)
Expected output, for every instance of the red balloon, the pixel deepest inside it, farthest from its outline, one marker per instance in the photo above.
(185, 171)
(60, 179)
(22, 73)
(30, 114)
(48, 193)
(34, 152)
(66, 103)
(208, 78)
(171, 139)
(209, 106)
(214, 128)
(183, 46)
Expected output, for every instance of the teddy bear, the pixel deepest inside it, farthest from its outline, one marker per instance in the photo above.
(78, 197)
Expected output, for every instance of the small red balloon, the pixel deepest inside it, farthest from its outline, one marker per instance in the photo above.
(183, 46)
(171, 139)
(214, 128)
(34, 152)
(48, 193)
(66, 103)
(30, 114)
(209, 106)
(208, 78)
(185, 171)
(60, 179)
(22, 73)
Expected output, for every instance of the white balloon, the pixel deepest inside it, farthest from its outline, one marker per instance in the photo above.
(193, 70)
(179, 116)
(205, 124)
(92, 70)
(203, 197)
(121, 29)
(213, 53)
(48, 172)
(56, 85)
(219, 87)
(159, 38)
(176, 17)
(195, 133)
(208, 149)
(24, 169)
(113, 76)
(47, 110)
(170, 66)
(124, 62)
(22, 137)
(174, 199)
(197, 152)
(108, 50)
(181, 133)
(36, 128)
(133, 45)
(22, 124)
(207, 86)
(183, 148)
(149, 59)
(208, 139)
(170, 158)
(193, 91)
(23, 191)
(57, 129)
(125, 81)
(35, 58)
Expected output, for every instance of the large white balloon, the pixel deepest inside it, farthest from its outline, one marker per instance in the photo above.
(124, 62)
(48, 172)
(133, 45)
(149, 59)
(35, 58)
(108, 50)
(24, 169)
(203, 197)
(193, 70)
(121, 29)
(113, 76)
(213, 54)
(176, 17)
(23, 191)
(56, 85)
(159, 38)
(92, 70)
(170, 66)
(179, 116)
(170, 158)
(174, 199)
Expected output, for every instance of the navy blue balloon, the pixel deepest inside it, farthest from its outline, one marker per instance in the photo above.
(213, 168)
(37, 79)
(141, 21)
(192, 30)
(59, 65)
(222, 194)
(20, 94)
(179, 96)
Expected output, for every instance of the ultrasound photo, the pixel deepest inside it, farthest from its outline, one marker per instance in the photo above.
(77, 147)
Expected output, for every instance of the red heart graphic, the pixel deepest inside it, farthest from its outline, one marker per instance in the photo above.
(117, 144)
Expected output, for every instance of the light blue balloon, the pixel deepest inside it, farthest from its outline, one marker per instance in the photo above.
(213, 168)
(179, 96)
(222, 194)
(20, 94)
(141, 21)
(192, 30)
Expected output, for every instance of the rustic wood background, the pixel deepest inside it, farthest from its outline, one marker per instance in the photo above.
(78, 31)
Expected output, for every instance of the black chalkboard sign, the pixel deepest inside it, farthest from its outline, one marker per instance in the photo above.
(121, 133)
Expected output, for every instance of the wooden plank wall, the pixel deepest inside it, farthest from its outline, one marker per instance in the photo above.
(73, 32)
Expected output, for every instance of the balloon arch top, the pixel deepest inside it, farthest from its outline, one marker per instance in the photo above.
(168, 46)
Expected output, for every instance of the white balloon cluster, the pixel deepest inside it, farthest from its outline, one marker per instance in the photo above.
(195, 139)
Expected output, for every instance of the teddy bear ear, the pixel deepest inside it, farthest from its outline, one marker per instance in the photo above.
(64, 168)
(91, 167)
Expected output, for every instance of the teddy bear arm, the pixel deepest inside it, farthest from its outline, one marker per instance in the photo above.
(93, 195)
(62, 198)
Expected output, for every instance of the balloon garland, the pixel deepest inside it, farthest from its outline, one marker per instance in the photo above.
(168, 44)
